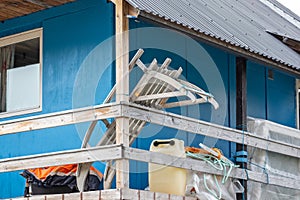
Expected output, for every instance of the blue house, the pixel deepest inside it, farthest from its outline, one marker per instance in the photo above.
(58, 57)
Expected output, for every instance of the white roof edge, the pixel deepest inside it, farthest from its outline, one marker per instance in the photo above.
(281, 13)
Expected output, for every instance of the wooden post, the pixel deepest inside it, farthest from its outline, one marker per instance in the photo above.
(122, 87)
(3, 87)
(241, 110)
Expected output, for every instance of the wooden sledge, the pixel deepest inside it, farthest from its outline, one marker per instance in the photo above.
(155, 87)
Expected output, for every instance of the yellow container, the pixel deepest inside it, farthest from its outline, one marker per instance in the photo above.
(170, 180)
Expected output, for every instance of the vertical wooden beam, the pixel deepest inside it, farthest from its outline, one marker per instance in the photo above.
(122, 87)
(241, 110)
(3, 87)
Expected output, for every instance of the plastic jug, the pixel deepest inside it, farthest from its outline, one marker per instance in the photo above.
(170, 180)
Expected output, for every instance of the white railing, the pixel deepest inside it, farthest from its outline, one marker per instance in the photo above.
(116, 152)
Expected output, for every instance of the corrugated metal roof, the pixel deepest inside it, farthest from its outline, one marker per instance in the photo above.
(243, 23)
(285, 9)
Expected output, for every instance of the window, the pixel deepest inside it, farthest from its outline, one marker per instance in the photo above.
(20, 73)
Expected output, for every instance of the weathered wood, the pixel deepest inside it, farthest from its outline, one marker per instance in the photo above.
(142, 194)
(83, 168)
(101, 153)
(241, 111)
(141, 65)
(20, 37)
(180, 122)
(184, 103)
(113, 194)
(117, 152)
(133, 61)
(160, 96)
(209, 97)
(60, 118)
(201, 166)
(88, 134)
(143, 88)
(19, 8)
(122, 88)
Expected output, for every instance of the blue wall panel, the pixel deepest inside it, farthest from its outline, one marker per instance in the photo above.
(281, 99)
(256, 90)
(274, 98)
(70, 33)
(202, 65)
(260, 92)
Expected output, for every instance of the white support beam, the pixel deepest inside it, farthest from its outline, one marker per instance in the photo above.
(201, 166)
(102, 153)
(207, 129)
(122, 87)
(184, 103)
(117, 152)
(160, 96)
(68, 117)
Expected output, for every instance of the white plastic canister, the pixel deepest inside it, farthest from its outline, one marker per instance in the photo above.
(166, 179)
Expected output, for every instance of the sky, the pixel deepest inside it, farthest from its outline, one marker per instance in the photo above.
(293, 5)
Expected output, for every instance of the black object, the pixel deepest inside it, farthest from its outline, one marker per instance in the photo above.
(156, 143)
(56, 184)
(40, 189)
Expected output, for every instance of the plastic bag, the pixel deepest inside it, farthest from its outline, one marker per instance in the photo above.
(209, 187)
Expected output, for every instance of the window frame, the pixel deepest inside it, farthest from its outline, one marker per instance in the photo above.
(17, 38)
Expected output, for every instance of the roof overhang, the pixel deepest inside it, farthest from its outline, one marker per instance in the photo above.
(220, 44)
(10, 9)
(293, 43)
(232, 26)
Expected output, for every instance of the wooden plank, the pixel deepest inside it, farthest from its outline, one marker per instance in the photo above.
(122, 88)
(73, 196)
(209, 97)
(56, 197)
(88, 134)
(201, 166)
(113, 194)
(160, 96)
(136, 125)
(43, 4)
(101, 153)
(83, 169)
(27, 7)
(60, 118)
(141, 65)
(133, 194)
(184, 103)
(173, 83)
(20, 37)
(132, 63)
(180, 122)
(241, 112)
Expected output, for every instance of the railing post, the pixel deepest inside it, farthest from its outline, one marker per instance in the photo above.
(122, 87)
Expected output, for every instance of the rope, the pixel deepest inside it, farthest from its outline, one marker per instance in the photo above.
(218, 164)
(211, 191)
(243, 128)
(264, 168)
(266, 161)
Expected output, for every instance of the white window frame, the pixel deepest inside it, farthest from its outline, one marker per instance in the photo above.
(17, 38)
